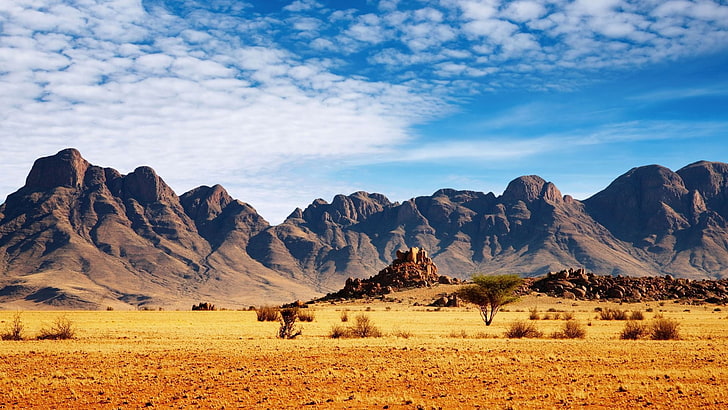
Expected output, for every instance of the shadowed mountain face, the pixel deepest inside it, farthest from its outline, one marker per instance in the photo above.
(78, 235)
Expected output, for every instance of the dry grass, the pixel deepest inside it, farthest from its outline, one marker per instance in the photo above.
(229, 359)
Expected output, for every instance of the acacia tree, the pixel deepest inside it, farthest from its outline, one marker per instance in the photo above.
(490, 293)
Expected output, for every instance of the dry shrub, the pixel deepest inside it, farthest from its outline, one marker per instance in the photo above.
(306, 315)
(14, 330)
(613, 314)
(404, 334)
(664, 329)
(61, 329)
(267, 314)
(533, 314)
(288, 329)
(458, 334)
(344, 316)
(519, 329)
(637, 315)
(572, 329)
(633, 330)
(363, 327)
(339, 332)
(567, 315)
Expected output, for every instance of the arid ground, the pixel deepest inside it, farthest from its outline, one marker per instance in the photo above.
(428, 358)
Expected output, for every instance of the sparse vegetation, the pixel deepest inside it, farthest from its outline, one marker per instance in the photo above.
(612, 314)
(571, 329)
(637, 315)
(306, 315)
(458, 334)
(520, 329)
(339, 332)
(567, 316)
(61, 329)
(14, 330)
(664, 329)
(288, 329)
(204, 306)
(268, 314)
(364, 327)
(491, 293)
(344, 316)
(533, 314)
(633, 330)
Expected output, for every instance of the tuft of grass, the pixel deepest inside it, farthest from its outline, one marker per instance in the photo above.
(567, 315)
(458, 334)
(339, 332)
(637, 315)
(306, 315)
(664, 329)
(344, 316)
(520, 329)
(533, 314)
(267, 313)
(613, 314)
(61, 329)
(572, 329)
(633, 330)
(404, 334)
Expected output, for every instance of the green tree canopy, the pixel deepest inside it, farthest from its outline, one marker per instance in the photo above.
(490, 293)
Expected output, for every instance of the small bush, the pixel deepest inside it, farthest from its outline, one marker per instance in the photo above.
(664, 329)
(204, 306)
(403, 334)
(533, 314)
(633, 330)
(306, 315)
(567, 315)
(14, 330)
(344, 316)
(363, 327)
(520, 329)
(268, 314)
(546, 317)
(637, 315)
(288, 328)
(339, 332)
(612, 314)
(572, 329)
(61, 329)
(458, 334)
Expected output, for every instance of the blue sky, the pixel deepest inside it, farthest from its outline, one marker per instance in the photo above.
(282, 102)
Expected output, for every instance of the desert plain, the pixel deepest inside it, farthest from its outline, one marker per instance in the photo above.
(427, 358)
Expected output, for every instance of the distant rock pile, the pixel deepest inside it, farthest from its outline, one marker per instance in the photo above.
(412, 269)
(579, 284)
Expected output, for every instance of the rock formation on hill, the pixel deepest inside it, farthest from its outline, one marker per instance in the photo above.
(79, 235)
(580, 284)
(411, 269)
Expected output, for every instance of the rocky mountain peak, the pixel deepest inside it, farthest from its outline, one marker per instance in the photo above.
(146, 186)
(205, 203)
(527, 188)
(65, 169)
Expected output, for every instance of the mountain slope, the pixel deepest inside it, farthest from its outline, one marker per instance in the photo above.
(83, 236)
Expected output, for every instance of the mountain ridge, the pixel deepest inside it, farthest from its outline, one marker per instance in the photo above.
(79, 235)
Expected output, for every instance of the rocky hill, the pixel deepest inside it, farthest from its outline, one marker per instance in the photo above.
(79, 235)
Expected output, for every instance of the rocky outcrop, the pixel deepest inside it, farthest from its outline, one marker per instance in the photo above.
(579, 284)
(411, 269)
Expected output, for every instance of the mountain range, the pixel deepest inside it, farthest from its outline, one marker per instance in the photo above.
(77, 235)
